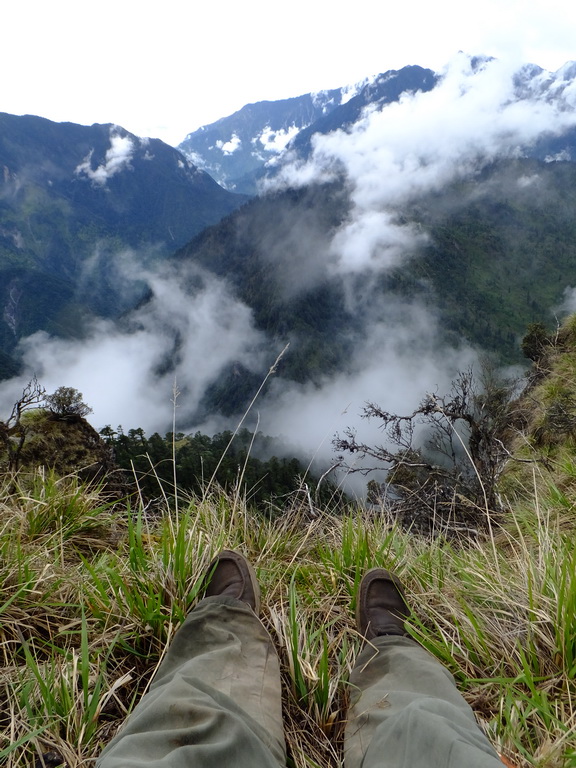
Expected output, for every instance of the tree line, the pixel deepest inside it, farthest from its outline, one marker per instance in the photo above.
(226, 460)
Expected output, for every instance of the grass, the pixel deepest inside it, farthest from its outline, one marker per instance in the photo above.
(91, 595)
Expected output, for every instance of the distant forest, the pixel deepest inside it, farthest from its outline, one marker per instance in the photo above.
(224, 460)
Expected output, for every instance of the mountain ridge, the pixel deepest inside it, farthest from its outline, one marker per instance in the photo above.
(231, 151)
(235, 150)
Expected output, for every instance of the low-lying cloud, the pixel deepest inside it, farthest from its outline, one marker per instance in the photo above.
(400, 360)
(230, 146)
(117, 158)
(187, 333)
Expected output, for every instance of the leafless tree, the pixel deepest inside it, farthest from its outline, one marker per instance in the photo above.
(449, 452)
(13, 431)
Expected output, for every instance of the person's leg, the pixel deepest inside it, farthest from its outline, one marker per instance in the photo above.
(405, 710)
(216, 698)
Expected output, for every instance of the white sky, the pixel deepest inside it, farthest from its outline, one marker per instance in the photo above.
(164, 69)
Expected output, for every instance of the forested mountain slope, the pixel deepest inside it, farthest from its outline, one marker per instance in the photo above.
(72, 199)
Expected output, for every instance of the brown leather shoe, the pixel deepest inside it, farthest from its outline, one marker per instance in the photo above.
(381, 606)
(231, 575)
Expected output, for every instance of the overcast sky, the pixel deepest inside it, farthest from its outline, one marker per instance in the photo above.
(164, 69)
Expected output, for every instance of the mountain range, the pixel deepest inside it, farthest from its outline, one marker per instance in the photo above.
(416, 216)
(241, 149)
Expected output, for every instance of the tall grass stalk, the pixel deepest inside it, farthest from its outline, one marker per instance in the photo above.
(175, 394)
(270, 373)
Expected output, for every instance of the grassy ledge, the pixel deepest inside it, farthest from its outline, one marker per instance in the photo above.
(91, 595)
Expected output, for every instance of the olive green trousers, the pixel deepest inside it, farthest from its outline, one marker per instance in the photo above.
(216, 702)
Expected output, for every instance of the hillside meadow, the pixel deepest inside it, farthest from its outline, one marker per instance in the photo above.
(91, 594)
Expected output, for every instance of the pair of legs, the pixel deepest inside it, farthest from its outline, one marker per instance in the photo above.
(216, 698)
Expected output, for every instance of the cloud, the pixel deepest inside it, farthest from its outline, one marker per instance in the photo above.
(374, 241)
(192, 328)
(230, 146)
(188, 332)
(117, 159)
(276, 141)
(399, 361)
(418, 145)
(568, 304)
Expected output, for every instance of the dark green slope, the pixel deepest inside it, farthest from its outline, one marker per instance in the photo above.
(157, 195)
(504, 258)
(268, 250)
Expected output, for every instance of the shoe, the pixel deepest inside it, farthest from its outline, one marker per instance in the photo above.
(231, 575)
(381, 606)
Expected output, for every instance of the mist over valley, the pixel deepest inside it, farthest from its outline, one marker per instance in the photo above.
(403, 229)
